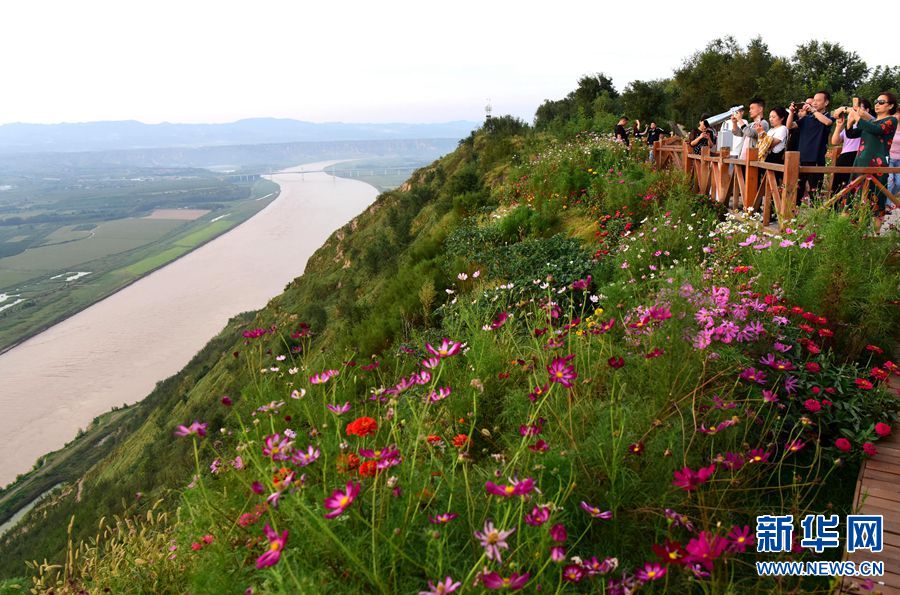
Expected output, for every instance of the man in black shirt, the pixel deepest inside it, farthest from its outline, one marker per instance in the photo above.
(654, 133)
(812, 130)
(622, 132)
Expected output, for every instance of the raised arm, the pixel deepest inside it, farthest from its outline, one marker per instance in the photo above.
(836, 135)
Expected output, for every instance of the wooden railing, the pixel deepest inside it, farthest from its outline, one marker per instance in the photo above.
(749, 183)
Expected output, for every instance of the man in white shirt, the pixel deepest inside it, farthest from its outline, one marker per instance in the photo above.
(731, 135)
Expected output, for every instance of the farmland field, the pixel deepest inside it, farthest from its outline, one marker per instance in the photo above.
(57, 261)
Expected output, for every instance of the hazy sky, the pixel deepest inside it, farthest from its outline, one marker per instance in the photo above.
(374, 61)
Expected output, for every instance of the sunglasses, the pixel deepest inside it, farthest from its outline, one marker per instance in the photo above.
(881, 101)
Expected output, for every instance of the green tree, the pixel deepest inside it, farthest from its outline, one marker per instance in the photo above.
(700, 81)
(647, 100)
(880, 79)
(825, 65)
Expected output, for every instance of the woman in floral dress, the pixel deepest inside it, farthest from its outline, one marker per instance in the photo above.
(877, 134)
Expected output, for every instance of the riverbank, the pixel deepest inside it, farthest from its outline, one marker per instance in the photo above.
(75, 366)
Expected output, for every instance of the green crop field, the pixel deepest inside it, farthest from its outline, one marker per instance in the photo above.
(109, 238)
(115, 252)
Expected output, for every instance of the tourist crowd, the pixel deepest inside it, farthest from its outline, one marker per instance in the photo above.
(867, 133)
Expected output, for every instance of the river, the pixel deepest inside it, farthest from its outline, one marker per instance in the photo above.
(116, 350)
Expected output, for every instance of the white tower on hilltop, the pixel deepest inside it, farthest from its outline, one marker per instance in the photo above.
(487, 111)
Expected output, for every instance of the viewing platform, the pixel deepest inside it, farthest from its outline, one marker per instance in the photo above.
(749, 183)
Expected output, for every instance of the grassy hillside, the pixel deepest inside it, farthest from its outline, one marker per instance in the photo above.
(536, 335)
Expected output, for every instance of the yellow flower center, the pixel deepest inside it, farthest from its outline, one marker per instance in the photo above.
(509, 490)
(344, 501)
(274, 546)
(651, 573)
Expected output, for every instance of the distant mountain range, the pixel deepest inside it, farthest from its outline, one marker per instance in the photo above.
(130, 134)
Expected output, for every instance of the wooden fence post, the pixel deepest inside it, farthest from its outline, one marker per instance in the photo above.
(703, 177)
(655, 153)
(685, 152)
(789, 194)
(721, 190)
(833, 154)
(751, 180)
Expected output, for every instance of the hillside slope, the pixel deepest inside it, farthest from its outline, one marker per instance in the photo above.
(531, 331)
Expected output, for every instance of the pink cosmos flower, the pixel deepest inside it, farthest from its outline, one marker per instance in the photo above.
(689, 480)
(573, 573)
(276, 545)
(795, 445)
(441, 587)
(740, 538)
(195, 429)
(447, 348)
(558, 533)
(652, 571)
(758, 455)
(303, 459)
(562, 372)
(276, 447)
(499, 321)
(538, 516)
(493, 540)
(515, 488)
(339, 409)
(705, 549)
(340, 500)
(443, 518)
(323, 377)
(439, 395)
(431, 362)
(596, 512)
(514, 582)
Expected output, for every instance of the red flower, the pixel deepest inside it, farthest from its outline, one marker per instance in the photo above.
(347, 462)
(863, 384)
(637, 448)
(362, 426)
(460, 441)
(813, 367)
(616, 362)
(882, 429)
(875, 349)
(879, 374)
(812, 405)
(842, 444)
(870, 449)
(368, 469)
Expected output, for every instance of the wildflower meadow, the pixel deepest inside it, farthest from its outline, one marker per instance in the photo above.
(599, 381)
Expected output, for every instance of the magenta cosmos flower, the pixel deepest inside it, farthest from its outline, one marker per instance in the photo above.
(562, 372)
(441, 587)
(705, 549)
(515, 488)
(447, 348)
(514, 582)
(340, 500)
(596, 512)
(689, 480)
(276, 545)
(195, 429)
(493, 540)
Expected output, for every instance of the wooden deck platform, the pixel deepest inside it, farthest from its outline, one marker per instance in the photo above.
(878, 492)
